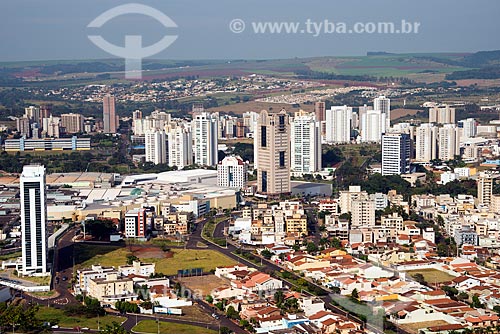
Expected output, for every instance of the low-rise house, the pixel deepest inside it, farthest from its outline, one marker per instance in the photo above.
(112, 289)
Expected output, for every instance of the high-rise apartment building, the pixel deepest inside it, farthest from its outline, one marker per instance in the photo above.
(383, 104)
(338, 124)
(320, 112)
(205, 128)
(426, 143)
(273, 153)
(396, 151)
(442, 115)
(448, 142)
(180, 145)
(156, 147)
(363, 213)
(33, 220)
(72, 123)
(469, 128)
(372, 126)
(485, 188)
(110, 119)
(306, 144)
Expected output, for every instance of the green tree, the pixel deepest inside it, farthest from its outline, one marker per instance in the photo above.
(232, 313)
(312, 247)
(266, 254)
(279, 298)
(476, 303)
(355, 294)
(114, 328)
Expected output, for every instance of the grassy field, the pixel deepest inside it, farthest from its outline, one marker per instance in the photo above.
(45, 280)
(432, 275)
(44, 294)
(105, 255)
(54, 315)
(10, 256)
(191, 258)
(150, 326)
(182, 258)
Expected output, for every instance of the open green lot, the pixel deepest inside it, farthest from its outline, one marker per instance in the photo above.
(191, 258)
(150, 326)
(432, 276)
(10, 256)
(173, 261)
(54, 316)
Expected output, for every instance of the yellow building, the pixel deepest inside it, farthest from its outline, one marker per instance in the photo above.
(112, 288)
(296, 224)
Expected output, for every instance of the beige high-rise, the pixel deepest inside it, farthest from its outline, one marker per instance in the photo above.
(72, 123)
(110, 120)
(272, 144)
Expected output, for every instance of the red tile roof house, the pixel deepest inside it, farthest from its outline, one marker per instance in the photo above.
(463, 283)
(258, 281)
(482, 320)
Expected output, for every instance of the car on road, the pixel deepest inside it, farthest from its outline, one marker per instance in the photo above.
(215, 316)
(54, 327)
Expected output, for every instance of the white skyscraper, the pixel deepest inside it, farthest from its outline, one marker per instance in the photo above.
(33, 220)
(426, 143)
(338, 124)
(448, 142)
(156, 147)
(469, 127)
(205, 128)
(373, 125)
(305, 136)
(383, 104)
(180, 146)
(396, 150)
(232, 172)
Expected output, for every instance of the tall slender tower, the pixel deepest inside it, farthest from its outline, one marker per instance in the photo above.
(33, 220)
(205, 127)
(156, 146)
(108, 114)
(305, 137)
(383, 104)
(273, 150)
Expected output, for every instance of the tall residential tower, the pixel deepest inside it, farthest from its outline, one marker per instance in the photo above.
(33, 220)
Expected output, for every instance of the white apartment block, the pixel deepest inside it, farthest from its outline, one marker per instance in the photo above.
(338, 124)
(305, 133)
(180, 145)
(373, 125)
(156, 147)
(449, 142)
(383, 104)
(426, 143)
(205, 127)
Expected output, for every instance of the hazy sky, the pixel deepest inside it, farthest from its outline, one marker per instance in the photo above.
(57, 29)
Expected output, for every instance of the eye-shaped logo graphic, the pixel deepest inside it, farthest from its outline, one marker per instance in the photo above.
(133, 51)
